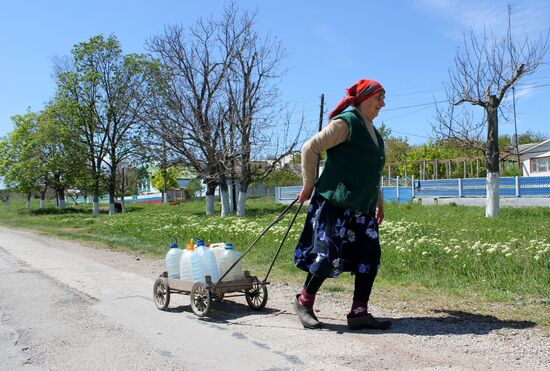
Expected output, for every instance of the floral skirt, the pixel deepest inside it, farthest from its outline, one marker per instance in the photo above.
(336, 239)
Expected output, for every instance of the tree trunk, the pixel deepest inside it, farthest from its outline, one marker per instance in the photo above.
(493, 195)
(241, 210)
(210, 190)
(61, 198)
(95, 177)
(95, 205)
(233, 195)
(43, 199)
(224, 198)
(122, 192)
(164, 192)
(246, 179)
(112, 195)
(28, 201)
(122, 205)
(492, 159)
(225, 209)
(112, 209)
(209, 205)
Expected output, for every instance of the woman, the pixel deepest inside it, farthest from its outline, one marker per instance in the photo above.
(341, 229)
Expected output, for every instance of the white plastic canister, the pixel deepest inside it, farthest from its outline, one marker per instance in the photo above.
(217, 248)
(228, 257)
(173, 257)
(204, 263)
(186, 265)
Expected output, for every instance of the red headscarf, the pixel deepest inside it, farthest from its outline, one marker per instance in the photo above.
(357, 93)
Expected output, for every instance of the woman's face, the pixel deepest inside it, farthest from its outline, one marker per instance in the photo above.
(370, 107)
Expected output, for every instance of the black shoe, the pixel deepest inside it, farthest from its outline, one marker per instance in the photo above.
(367, 321)
(306, 315)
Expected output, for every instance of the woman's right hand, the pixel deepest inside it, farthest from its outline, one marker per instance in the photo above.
(305, 194)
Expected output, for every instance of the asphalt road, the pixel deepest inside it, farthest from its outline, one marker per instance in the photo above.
(66, 305)
(61, 310)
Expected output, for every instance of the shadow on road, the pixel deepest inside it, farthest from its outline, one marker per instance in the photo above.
(226, 311)
(452, 323)
(443, 322)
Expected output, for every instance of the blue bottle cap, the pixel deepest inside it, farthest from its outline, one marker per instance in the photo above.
(174, 245)
(200, 243)
(229, 246)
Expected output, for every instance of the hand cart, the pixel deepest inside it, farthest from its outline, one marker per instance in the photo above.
(203, 293)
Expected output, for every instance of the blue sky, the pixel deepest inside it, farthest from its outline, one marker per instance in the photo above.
(407, 45)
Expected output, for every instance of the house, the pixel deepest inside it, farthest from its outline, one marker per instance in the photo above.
(535, 158)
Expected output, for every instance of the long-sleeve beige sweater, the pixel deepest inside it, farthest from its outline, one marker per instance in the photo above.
(336, 132)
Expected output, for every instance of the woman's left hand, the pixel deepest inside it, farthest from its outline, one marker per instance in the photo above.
(379, 215)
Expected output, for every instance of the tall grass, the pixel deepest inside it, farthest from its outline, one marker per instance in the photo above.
(445, 247)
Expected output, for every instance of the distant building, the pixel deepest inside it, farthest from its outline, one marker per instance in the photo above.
(534, 157)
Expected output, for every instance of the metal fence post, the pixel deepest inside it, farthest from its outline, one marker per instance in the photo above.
(397, 188)
(517, 186)
(412, 187)
(459, 187)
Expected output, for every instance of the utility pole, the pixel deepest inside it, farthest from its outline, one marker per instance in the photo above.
(516, 129)
(164, 164)
(321, 112)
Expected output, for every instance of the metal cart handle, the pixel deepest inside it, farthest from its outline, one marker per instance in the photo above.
(278, 219)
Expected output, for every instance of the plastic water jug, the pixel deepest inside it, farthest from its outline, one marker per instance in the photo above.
(173, 257)
(204, 263)
(186, 265)
(228, 257)
(217, 248)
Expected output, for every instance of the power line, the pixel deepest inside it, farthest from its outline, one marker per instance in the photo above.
(410, 134)
(431, 103)
(414, 106)
(528, 87)
(406, 114)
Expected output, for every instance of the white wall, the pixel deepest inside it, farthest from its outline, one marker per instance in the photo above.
(542, 151)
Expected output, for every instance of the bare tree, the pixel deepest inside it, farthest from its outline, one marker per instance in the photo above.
(252, 89)
(484, 70)
(122, 80)
(216, 93)
(191, 72)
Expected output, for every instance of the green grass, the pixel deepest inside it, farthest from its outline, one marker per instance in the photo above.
(433, 256)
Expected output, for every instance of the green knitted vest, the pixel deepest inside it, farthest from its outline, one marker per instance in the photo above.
(351, 177)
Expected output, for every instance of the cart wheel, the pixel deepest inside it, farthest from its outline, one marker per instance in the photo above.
(218, 297)
(257, 296)
(161, 293)
(201, 298)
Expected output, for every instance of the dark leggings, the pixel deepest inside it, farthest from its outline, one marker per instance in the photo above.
(361, 292)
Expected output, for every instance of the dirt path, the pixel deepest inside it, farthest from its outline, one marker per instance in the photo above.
(273, 338)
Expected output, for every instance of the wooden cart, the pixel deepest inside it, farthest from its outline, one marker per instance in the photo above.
(203, 293)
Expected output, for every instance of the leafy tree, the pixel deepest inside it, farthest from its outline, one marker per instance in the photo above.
(104, 88)
(165, 179)
(281, 178)
(396, 147)
(63, 157)
(20, 164)
(194, 186)
(4, 195)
